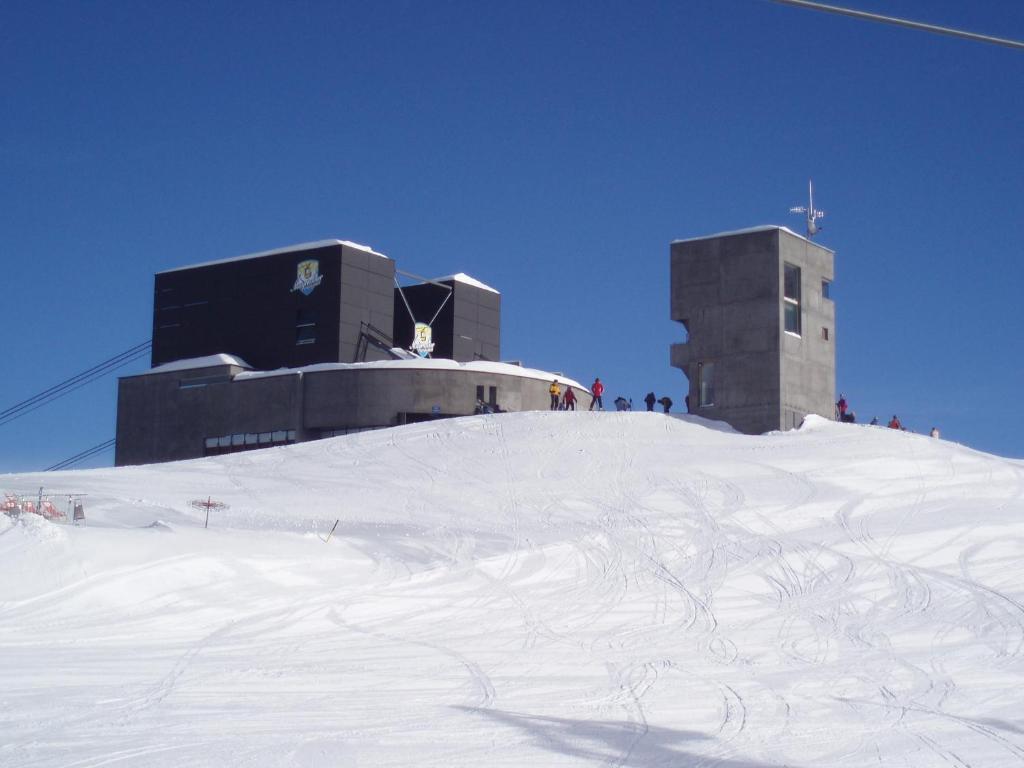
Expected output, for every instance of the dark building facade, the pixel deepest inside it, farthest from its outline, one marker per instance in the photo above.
(307, 342)
(464, 314)
(284, 308)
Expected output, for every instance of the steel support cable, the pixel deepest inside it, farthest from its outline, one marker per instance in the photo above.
(67, 390)
(70, 385)
(83, 455)
(132, 351)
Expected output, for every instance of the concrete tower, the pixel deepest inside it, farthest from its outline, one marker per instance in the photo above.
(760, 323)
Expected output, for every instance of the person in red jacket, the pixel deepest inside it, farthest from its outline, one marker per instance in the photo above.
(597, 389)
(895, 423)
(569, 399)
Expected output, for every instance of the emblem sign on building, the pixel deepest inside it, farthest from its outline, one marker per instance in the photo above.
(422, 343)
(309, 276)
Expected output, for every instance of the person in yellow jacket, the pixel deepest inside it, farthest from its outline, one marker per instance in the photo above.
(555, 392)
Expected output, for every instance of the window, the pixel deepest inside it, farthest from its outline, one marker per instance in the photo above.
(492, 395)
(244, 441)
(791, 298)
(305, 327)
(824, 333)
(826, 289)
(480, 393)
(706, 383)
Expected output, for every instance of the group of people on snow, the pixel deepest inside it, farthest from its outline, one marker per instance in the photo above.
(844, 413)
(566, 401)
(665, 402)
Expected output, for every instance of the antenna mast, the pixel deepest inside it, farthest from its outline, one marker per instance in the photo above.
(812, 214)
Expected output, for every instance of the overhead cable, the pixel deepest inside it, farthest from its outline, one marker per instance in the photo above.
(904, 23)
(83, 455)
(71, 384)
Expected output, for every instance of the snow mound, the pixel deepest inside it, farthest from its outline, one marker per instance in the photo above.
(557, 589)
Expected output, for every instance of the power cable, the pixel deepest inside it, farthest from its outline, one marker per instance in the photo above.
(83, 455)
(75, 382)
(904, 23)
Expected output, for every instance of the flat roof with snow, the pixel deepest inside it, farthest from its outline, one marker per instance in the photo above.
(751, 230)
(276, 251)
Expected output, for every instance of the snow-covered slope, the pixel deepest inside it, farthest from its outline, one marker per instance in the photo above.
(532, 589)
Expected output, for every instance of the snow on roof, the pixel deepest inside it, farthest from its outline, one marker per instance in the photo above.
(209, 361)
(420, 363)
(750, 230)
(462, 277)
(275, 251)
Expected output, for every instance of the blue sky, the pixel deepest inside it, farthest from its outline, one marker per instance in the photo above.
(551, 150)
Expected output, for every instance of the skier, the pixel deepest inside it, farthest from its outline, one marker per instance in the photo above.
(570, 399)
(934, 432)
(841, 407)
(895, 423)
(666, 403)
(555, 391)
(621, 404)
(597, 389)
(650, 399)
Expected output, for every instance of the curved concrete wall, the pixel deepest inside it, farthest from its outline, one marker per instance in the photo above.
(170, 416)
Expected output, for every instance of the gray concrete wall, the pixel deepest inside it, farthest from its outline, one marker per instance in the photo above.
(376, 397)
(808, 382)
(728, 291)
(169, 416)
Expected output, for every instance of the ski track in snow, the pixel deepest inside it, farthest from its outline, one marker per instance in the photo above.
(607, 589)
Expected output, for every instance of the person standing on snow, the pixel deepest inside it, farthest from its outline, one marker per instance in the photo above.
(569, 399)
(597, 389)
(666, 403)
(554, 390)
(841, 407)
(895, 423)
(650, 400)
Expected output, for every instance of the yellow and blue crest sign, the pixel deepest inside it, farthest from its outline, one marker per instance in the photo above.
(422, 343)
(309, 276)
